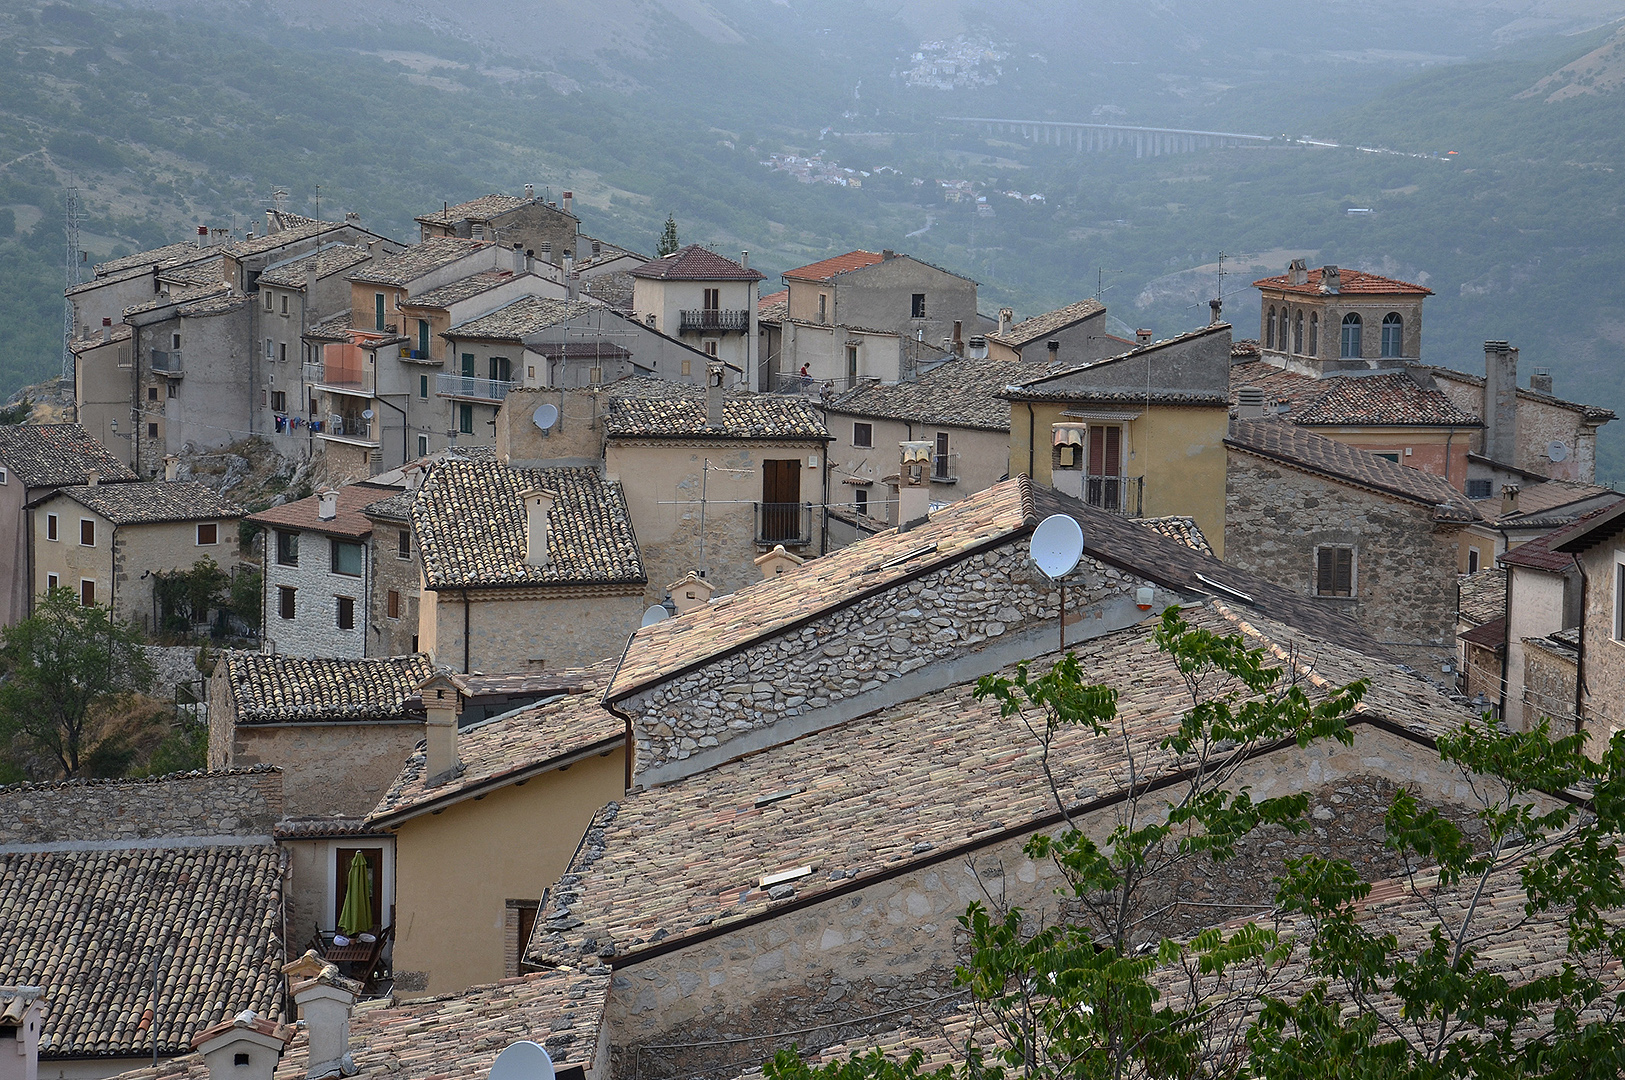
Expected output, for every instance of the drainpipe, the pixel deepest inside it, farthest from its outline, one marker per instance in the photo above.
(1031, 420)
(466, 630)
(1580, 657)
(1450, 434)
(823, 540)
(1506, 646)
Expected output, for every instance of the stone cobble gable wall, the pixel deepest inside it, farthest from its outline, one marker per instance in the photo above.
(857, 649)
(245, 802)
(1549, 675)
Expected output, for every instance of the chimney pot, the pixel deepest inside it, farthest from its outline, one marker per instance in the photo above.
(693, 591)
(1297, 273)
(1500, 402)
(1331, 279)
(1249, 403)
(744, 259)
(1143, 336)
(441, 703)
(538, 505)
(530, 192)
(887, 253)
(547, 251)
(172, 465)
(1509, 499)
(1054, 348)
(1006, 317)
(325, 1002)
(1216, 306)
(327, 504)
(246, 1047)
(913, 481)
(715, 376)
(569, 197)
(92, 477)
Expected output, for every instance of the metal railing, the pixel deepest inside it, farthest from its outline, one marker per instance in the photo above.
(347, 427)
(713, 319)
(349, 378)
(167, 362)
(788, 382)
(469, 386)
(945, 467)
(1115, 494)
(784, 523)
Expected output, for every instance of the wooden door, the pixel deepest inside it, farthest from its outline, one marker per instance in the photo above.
(1105, 466)
(781, 500)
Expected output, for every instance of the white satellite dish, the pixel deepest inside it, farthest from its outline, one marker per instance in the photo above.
(1057, 545)
(545, 416)
(1556, 451)
(523, 1060)
(366, 414)
(654, 615)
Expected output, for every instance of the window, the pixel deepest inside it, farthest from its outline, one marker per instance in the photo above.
(1269, 328)
(392, 605)
(152, 431)
(1351, 335)
(87, 592)
(423, 446)
(863, 434)
(282, 353)
(284, 303)
(279, 400)
(860, 500)
(713, 299)
(403, 547)
(917, 306)
(423, 386)
(174, 341)
(688, 366)
(465, 418)
(174, 388)
(1472, 560)
(50, 526)
(501, 369)
(1281, 332)
(284, 601)
(374, 860)
(710, 347)
(468, 365)
(347, 558)
(152, 393)
(423, 337)
(378, 310)
(287, 548)
(1478, 489)
(1297, 335)
(2, 477)
(346, 612)
(521, 922)
(1619, 597)
(940, 463)
(1388, 456)
(87, 532)
(208, 532)
(52, 581)
(1334, 571)
(1103, 478)
(781, 501)
(270, 348)
(267, 301)
(1314, 333)
(1393, 334)
(851, 365)
(823, 307)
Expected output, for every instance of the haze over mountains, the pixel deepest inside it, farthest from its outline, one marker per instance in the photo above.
(171, 113)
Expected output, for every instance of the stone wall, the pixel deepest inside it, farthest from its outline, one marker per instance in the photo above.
(314, 629)
(857, 650)
(328, 768)
(1404, 562)
(1604, 654)
(387, 636)
(236, 802)
(1548, 685)
(519, 630)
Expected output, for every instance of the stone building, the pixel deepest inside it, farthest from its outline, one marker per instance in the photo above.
(1594, 543)
(1525, 511)
(1350, 529)
(101, 388)
(545, 230)
(1336, 319)
(1071, 335)
(35, 460)
(1481, 608)
(107, 541)
(704, 300)
(394, 598)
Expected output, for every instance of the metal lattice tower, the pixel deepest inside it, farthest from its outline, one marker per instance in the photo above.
(70, 278)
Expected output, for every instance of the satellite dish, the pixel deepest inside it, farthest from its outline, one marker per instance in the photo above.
(1057, 544)
(1556, 451)
(366, 414)
(654, 615)
(523, 1060)
(545, 416)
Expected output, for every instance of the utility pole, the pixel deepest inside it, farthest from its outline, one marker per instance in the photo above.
(70, 277)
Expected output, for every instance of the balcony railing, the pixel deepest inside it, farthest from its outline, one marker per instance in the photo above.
(347, 378)
(167, 363)
(467, 386)
(945, 468)
(709, 319)
(356, 428)
(784, 523)
(1123, 495)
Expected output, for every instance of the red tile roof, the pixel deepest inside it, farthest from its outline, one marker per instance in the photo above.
(840, 264)
(1490, 635)
(1351, 281)
(695, 263)
(1403, 398)
(306, 513)
(1556, 550)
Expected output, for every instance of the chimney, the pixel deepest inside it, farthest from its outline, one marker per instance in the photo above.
(547, 251)
(1215, 306)
(538, 504)
(1006, 317)
(569, 197)
(914, 483)
(107, 335)
(778, 561)
(1331, 280)
(1143, 337)
(715, 373)
(887, 254)
(530, 260)
(691, 592)
(92, 477)
(1054, 348)
(530, 192)
(1249, 403)
(22, 1014)
(744, 259)
(1500, 402)
(598, 249)
(959, 339)
(1509, 499)
(442, 701)
(1297, 273)
(324, 998)
(572, 286)
(172, 466)
(246, 1047)
(202, 236)
(372, 247)
(248, 235)
(519, 266)
(327, 504)
(977, 345)
(352, 218)
(1541, 381)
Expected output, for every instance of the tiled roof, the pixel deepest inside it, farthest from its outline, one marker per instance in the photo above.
(765, 608)
(840, 264)
(333, 259)
(614, 288)
(1183, 529)
(644, 408)
(483, 208)
(397, 507)
(349, 521)
(500, 751)
(78, 345)
(774, 307)
(470, 523)
(408, 266)
(1593, 529)
(1040, 326)
(455, 1035)
(958, 393)
(210, 271)
(149, 501)
(461, 289)
(1483, 595)
(1594, 414)
(271, 688)
(183, 296)
(1305, 450)
(319, 828)
(1400, 398)
(516, 320)
(1051, 385)
(86, 925)
(162, 257)
(336, 328)
(1490, 634)
(54, 455)
(695, 263)
(1555, 502)
(685, 858)
(1555, 551)
(1351, 281)
(218, 303)
(295, 228)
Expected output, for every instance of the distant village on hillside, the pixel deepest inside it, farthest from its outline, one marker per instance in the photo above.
(594, 654)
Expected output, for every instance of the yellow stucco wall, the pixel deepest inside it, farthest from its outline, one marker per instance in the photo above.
(455, 871)
(1178, 450)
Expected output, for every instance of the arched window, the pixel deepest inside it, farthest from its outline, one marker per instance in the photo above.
(1393, 334)
(1269, 329)
(1351, 335)
(1283, 330)
(1314, 333)
(1297, 335)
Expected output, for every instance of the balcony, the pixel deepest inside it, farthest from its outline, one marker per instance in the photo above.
(167, 363)
(470, 388)
(789, 524)
(1123, 495)
(709, 319)
(351, 379)
(945, 468)
(351, 429)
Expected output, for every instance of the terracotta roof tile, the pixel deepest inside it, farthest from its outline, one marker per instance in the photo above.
(1352, 281)
(272, 688)
(959, 393)
(1305, 450)
(645, 408)
(161, 257)
(1555, 502)
(1041, 326)
(317, 828)
(695, 263)
(470, 523)
(149, 501)
(774, 307)
(57, 455)
(1490, 634)
(1393, 399)
(1483, 596)
(295, 228)
(332, 259)
(483, 208)
(1183, 529)
(1555, 551)
(840, 264)
(349, 520)
(405, 267)
(121, 332)
(461, 289)
(516, 320)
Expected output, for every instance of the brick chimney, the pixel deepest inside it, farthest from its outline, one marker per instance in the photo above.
(691, 592)
(246, 1047)
(22, 1014)
(1500, 402)
(324, 998)
(442, 701)
(538, 504)
(715, 375)
(914, 482)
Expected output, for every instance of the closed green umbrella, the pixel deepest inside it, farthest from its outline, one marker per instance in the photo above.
(357, 914)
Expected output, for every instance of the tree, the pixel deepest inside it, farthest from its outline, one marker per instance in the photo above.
(669, 243)
(63, 666)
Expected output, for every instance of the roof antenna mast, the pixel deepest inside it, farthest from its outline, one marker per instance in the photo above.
(71, 260)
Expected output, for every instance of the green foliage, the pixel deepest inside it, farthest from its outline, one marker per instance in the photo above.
(668, 244)
(787, 1065)
(186, 598)
(17, 412)
(183, 749)
(62, 665)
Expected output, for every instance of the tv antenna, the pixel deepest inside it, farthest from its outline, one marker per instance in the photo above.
(1100, 280)
(1222, 272)
(1056, 546)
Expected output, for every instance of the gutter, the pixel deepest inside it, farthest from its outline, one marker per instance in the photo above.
(1506, 646)
(1580, 655)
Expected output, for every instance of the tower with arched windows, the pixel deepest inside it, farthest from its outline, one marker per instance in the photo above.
(1334, 319)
